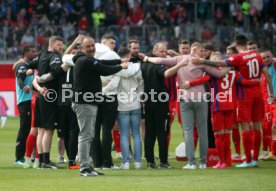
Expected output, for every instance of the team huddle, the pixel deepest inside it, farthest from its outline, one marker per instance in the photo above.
(89, 112)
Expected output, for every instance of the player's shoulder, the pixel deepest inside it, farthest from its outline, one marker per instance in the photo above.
(55, 58)
(22, 68)
(249, 54)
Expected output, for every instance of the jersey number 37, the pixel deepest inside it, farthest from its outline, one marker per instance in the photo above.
(228, 80)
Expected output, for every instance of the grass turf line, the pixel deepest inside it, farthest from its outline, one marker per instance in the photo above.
(16, 178)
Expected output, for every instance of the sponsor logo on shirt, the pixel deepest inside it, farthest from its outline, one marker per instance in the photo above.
(249, 56)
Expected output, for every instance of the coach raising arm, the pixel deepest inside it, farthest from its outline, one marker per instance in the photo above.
(87, 88)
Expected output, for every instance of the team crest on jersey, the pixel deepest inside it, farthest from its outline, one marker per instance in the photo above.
(231, 58)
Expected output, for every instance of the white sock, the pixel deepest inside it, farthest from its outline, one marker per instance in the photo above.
(3, 121)
(28, 159)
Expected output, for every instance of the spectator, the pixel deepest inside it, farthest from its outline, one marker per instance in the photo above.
(245, 10)
(136, 14)
(235, 8)
(218, 15)
(44, 21)
(83, 24)
(27, 38)
(98, 17)
(256, 7)
(206, 34)
(270, 25)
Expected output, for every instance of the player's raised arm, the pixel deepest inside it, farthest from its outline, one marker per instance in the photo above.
(269, 81)
(198, 81)
(214, 63)
(172, 71)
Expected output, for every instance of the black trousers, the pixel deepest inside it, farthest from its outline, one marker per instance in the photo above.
(157, 125)
(211, 137)
(68, 124)
(106, 117)
(25, 114)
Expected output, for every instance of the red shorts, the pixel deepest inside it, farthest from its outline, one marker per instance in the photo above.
(33, 109)
(250, 109)
(172, 109)
(273, 112)
(267, 112)
(222, 120)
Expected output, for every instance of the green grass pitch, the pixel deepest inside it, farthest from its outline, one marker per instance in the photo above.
(14, 178)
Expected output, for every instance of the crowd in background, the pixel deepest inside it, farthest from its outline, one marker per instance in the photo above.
(26, 21)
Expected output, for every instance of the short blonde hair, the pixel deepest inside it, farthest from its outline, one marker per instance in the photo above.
(197, 45)
(216, 55)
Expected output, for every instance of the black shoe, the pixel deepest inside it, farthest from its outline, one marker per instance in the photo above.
(50, 165)
(88, 172)
(99, 173)
(40, 165)
(165, 165)
(151, 166)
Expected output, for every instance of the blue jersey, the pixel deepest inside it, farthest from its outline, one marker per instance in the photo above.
(272, 72)
(23, 80)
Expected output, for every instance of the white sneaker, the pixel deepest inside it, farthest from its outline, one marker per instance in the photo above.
(189, 167)
(202, 166)
(130, 155)
(77, 158)
(119, 155)
(236, 156)
(263, 155)
(244, 157)
(61, 160)
(125, 166)
(111, 168)
(138, 165)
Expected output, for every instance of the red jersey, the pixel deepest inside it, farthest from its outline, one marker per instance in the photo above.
(3, 106)
(170, 84)
(222, 90)
(250, 65)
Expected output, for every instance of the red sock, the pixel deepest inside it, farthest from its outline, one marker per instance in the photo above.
(169, 138)
(252, 139)
(273, 147)
(269, 135)
(116, 138)
(30, 145)
(195, 137)
(246, 142)
(220, 147)
(265, 135)
(237, 140)
(256, 143)
(227, 151)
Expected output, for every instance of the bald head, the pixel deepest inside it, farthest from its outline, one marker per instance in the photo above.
(88, 46)
(160, 50)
